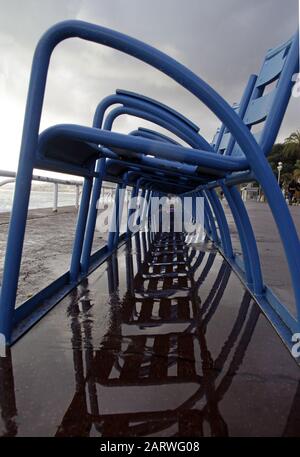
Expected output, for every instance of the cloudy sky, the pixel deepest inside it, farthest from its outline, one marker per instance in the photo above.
(223, 41)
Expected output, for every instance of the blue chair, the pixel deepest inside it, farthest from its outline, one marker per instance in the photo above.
(236, 157)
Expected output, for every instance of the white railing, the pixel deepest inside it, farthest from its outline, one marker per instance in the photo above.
(108, 189)
(11, 175)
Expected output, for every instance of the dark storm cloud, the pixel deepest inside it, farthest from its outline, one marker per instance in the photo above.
(223, 41)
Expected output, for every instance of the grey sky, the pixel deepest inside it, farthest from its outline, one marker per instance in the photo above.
(223, 41)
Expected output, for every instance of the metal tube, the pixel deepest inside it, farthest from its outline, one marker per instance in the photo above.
(222, 223)
(80, 229)
(92, 217)
(113, 222)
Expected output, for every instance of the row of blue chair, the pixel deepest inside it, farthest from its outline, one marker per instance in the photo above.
(156, 164)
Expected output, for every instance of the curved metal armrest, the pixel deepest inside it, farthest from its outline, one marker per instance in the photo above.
(130, 100)
(166, 121)
(143, 52)
(164, 107)
(153, 134)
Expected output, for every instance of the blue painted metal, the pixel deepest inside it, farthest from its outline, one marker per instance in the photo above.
(166, 120)
(141, 202)
(218, 137)
(156, 117)
(145, 208)
(108, 125)
(151, 134)
(207, 226)
(280, 64)
(210, 219)
(243, 105)
(80, 230)
(113, 234)
(131, 212)
(169, 124)
(222, 222)
(247, 239)
(223, 141)
(164, 107)
(54, 149)
(128, 145)
(120, 206)
(92, 216)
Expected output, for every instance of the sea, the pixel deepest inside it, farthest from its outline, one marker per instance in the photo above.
(38, 199)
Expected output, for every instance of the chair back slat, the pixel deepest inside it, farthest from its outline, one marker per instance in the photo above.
(224, 142)
(272, 66)
(259, 108)
(237, 151)
(265, 106)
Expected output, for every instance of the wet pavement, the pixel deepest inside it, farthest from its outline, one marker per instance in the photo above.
(47, 248)
(161, 340)
(272, 258)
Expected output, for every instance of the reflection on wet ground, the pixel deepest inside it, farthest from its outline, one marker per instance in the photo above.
(161, 340)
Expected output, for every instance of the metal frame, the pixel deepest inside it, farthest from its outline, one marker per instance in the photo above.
(212, 170)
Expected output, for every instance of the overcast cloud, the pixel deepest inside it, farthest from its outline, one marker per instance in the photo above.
(223, 41)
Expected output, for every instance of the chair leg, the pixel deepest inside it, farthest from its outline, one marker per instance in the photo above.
(222, 222)
(210, 222)
(131, 211)
(92, 217)
(113, 225)
(246, 236)
(14, 248)
(258, 285)
(80, 229)
(121, 201)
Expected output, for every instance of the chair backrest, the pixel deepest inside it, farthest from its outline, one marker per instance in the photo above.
(215, 139)
(224, 142)
(269, 98)
(222, 137)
